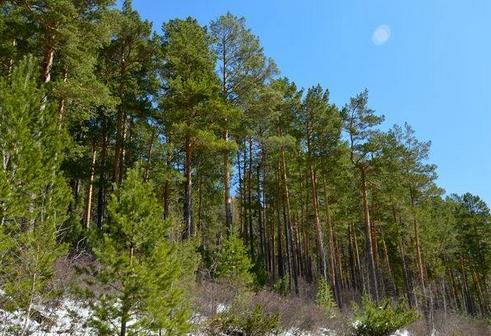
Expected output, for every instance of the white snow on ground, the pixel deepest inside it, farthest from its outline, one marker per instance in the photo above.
(327, 332)
(401, 333)
(222, 308)
(68, 319)
(320, 332)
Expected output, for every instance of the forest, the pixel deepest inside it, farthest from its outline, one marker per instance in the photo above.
(143, 168)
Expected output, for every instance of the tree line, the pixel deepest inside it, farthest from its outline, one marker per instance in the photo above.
(224, 147)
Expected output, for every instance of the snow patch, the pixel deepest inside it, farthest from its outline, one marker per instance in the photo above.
(222, 308)
(320, 332)
(401, 333)
(68, 318)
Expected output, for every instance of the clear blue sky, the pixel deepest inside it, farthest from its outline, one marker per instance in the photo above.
(433, 72)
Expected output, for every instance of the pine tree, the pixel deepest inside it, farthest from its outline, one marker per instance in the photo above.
(359, 123)
(64, 35)
(142, 274)
(243, 68)
(473, 219)
(321, 128)
(34, 196)
(324, 297)
(281, 148)
(190, 97)
(127, 68)
(233, 265)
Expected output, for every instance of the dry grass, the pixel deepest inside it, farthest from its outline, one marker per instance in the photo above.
(295, 312)
(452, 324)
(300, 312)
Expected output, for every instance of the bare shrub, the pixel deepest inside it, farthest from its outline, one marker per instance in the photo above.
(451, 324)
(210, 296)
(296, 312)
(302, 314)
(66, 270)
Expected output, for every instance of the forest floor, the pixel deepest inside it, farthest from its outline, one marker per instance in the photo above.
(69, 317)
(298, 315)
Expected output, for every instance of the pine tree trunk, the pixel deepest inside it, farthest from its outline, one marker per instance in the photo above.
(361, 274)
(352, 260)
(167, 183)
(376, 257)
(101, 196)
(124, 319)
(265, 206)
(301, 248)
(150, 146)
(88, 200)
(48, 59)
(166, 196)
(243, 202)
(301, 228)
(226, 184)
(260, 211)
(281, 270)
(444, 297)
(241, 192)
(455, 290)
(388, 268)
(120, 118)
(61, 105)
(407, 275)
(333, 270)
(126, 153)
(372, 272)
(469, 306)
(272, 243)
(188, 224)
(226, 158)
(118, 149)
(47, 66)
(419, 258)
(419, 264)
(288, 223)
(199, 225)
(297, 252)
(339, 265)
(480, 297)
(318, 225)
(249, 200)
(287, 244)
(30, 306)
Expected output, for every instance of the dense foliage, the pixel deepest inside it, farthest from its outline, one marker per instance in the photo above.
(140, 274)
(246, 322)
(324, 297)
(381, 319)
(269, 183)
